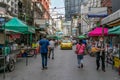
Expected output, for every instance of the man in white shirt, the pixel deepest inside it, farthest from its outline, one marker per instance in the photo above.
(51, 46)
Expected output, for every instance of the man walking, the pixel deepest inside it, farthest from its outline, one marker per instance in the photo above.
(100, 55)
(52, 46)
(44, 46)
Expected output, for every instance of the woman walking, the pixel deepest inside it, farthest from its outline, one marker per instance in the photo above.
(80, 48)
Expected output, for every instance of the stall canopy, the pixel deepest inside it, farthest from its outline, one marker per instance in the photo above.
(115, 30)
(17, 25)
(98, 31)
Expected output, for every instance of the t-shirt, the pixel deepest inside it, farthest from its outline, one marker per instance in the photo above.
(44, 46)
(52, 44)
(100, 45)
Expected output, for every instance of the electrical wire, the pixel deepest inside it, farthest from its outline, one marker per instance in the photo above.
(80, 4)
(71, 6)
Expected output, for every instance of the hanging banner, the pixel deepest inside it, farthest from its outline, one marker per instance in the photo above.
(14, 36)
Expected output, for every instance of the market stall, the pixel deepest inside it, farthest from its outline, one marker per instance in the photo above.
(19, 28)
(98, 31)
(7, 55)
(113, 22)
(116, 30)
(95, 34)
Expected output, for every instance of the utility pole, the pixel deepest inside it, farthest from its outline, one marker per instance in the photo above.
(71, 25)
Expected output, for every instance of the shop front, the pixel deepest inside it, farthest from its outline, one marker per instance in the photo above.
(14, 39)
(113, 22)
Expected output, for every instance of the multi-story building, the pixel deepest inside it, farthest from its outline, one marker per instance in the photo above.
(72, 11)
(115, 5)
(53, 21)
(108, 4)
(40, 9)
(113, 19)
(72, 7)
(86, 22)
(10, 6)
(13, 7)
(45, 4)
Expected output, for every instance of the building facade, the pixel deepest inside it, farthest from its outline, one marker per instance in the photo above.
(72, 7)
(14, 7)
(10, 6)
(72, 13)
(86, 22)
(108, 4)
(45, 4)
(115, 5)
(53, 22)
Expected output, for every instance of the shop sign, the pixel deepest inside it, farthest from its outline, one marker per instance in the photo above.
(68, 23)
(40, 21)
(111, 17)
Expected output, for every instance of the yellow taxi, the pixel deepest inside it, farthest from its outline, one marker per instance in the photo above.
(66, 44)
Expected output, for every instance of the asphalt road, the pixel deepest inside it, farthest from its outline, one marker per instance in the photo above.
(63, 67)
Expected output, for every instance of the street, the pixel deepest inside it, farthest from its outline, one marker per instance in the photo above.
(63, 67)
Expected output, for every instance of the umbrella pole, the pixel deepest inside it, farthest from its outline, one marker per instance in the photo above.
(4, 75)
(27, 52)
(119, 56)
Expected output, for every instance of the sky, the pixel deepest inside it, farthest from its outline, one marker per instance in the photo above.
(59, 4)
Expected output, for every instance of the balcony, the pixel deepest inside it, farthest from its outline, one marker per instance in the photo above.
(4, 4)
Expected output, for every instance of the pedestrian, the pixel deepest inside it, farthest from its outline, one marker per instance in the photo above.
(44, 47)
(100, 55)
(56, 43)
(51, 46)
(85, 43)
(80, 48)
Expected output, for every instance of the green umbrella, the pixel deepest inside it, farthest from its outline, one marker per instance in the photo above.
(59, 37)
(82, 37)
(51, 36)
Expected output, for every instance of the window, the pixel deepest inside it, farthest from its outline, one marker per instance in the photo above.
(15, 5)
(12, 3)
(8, 1)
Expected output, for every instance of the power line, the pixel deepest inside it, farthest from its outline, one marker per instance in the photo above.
(79, 5)
(71, 6)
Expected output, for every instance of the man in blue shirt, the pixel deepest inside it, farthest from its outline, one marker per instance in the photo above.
(44, 46)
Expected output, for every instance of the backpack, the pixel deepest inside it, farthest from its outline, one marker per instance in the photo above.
(81, 49)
